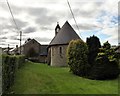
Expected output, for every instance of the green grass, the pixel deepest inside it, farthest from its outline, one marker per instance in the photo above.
(36, 78)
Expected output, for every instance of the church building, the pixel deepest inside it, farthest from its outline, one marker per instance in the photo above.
(58, 46)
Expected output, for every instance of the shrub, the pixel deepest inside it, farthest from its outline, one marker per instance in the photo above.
(77, 57)
(93, 47)
(117, 56)
(104, 68)
(10, 64)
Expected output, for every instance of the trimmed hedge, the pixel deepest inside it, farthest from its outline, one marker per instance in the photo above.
(10, 64)
(77, 57)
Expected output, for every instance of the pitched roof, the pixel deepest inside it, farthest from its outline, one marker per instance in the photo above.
(65, 35)
(31, 41)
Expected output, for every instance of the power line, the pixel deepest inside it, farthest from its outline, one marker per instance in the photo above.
(73, 15)
(15, 23)
(12, 15)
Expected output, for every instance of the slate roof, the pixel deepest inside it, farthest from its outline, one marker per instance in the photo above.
(65, 35)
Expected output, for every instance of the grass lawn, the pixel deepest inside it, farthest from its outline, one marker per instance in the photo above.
(36, 78)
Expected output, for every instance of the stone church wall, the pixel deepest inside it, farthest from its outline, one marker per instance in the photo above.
(58, 55)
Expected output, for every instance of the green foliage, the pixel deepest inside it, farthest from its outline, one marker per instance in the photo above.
(117, 56)
(77, 57)
(93, 47)
(10, 64)
(104, 62)
(105, 68)
(106, 45)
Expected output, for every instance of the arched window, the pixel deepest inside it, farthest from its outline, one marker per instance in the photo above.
(60, 52)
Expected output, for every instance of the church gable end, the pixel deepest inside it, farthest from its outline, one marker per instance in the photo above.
(59, 43)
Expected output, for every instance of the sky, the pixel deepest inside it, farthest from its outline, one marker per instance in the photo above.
(38, 18)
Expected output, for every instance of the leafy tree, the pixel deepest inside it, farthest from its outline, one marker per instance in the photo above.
(93, 47)
(106, 45)
(31, 53)
(77, 57)
(106, 64)
(104, 68)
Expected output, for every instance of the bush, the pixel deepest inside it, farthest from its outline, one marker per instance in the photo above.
(106, 65)
(93, 47)
(117, 56)
(10, 64)
(77, 57)
(104, 68)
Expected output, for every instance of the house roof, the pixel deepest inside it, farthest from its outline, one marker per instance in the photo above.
(65, 35)
(25, 44)
(31, 41)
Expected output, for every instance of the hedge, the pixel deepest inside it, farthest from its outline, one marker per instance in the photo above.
(10, 64)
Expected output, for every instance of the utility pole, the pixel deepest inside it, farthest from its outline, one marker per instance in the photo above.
(8, 49)
(20, 40)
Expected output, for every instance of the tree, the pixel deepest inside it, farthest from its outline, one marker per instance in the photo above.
(93, 47)
(104, 68)
(28, 40)
(77, 57)
(106, 64)
(106, 45)
(31, 53)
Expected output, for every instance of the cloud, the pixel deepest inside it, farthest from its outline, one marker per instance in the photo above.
(44, 28)
(86, 26)
(21, 23)
(37, 11)
(87, 9)
(42, 16)
(43, 39)
(3, 38)
(29, 30)
(13, 38)
(37, 19)
(47, 21)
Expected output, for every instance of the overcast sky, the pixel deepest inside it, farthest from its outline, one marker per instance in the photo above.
(38, 18)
